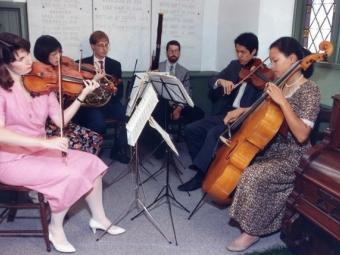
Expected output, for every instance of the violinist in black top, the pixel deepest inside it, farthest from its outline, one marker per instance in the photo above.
(202, 136)
(94, 117)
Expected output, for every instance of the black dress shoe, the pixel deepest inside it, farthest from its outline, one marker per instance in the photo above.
(121, 155)
(194, 183)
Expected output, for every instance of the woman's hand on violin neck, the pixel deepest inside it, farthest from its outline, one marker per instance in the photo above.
(90, 86)
(233, 115)
(275, 94)
(228, 86)
(56, 143)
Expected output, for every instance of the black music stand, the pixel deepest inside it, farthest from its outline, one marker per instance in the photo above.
(139, 196)
(172, 159)
(171, 89)
(171, 93)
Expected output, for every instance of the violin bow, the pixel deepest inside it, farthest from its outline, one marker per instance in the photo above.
(80, 59)
(61, 103)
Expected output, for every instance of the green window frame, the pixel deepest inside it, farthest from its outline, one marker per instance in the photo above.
(300, 31)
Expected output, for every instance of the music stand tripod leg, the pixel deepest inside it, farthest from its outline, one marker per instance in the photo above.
(136, 202)
(197, 206)
(146, 170)
(155, 173)
(173, 162)
(168, 194)
(172, 196)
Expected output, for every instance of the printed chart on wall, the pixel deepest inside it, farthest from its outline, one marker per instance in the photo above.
(182, 21)
(127, 22)
(130, 24)
(69, 21)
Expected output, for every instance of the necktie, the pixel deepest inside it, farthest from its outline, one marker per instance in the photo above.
(172, 71)
(101, 63)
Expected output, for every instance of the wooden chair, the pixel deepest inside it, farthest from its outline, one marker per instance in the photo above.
(111, 135)
(324, 117)
(14, 203)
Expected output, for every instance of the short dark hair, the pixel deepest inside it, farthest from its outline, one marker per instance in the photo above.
(43, 47)
(173, 42)
(248, 40)
(98, 35)
(9, 45)
(287, 46)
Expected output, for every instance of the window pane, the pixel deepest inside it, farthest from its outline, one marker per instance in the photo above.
(318, 23)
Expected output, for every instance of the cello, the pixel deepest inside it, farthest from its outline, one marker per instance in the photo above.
(259, 126)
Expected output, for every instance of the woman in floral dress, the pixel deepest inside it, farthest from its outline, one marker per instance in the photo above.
(260, 198)
(46, 50)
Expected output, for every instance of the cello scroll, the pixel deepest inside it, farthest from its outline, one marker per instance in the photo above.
(325, 46)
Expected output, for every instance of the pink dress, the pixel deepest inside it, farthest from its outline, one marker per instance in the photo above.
(62, 181)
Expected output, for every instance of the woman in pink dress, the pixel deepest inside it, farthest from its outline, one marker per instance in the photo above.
(29, 159)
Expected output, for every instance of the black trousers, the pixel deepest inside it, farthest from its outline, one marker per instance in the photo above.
(94, 119)
(202, 138)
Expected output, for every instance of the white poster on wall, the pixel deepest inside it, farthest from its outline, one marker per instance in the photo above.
(127, 23)
(68, 21)
(182, 21)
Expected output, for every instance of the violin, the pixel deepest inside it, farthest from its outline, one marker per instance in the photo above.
(87, 70)
(257, 73)
(43, 79)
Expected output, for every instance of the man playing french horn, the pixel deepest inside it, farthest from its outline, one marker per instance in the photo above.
(94, 117)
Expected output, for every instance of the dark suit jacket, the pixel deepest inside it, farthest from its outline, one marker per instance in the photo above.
(223, 104)
(114, 68)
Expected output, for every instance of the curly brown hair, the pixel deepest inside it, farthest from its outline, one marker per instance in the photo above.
(9, 45)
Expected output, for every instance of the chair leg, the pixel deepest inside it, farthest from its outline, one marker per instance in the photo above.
(11, 214)
(13, 211)
(43, 217)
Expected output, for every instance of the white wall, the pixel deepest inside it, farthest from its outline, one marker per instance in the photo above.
(235, 17)
(268, 19)
(209, 34)
(223, 20)
(275, 20)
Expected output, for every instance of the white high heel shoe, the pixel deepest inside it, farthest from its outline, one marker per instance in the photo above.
(65, 247)
(113, 230)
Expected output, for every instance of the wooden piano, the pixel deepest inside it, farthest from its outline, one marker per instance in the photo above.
(311, 225)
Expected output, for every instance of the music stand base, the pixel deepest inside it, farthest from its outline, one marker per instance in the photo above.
(168, 194)
(136, 203)
(197, 206)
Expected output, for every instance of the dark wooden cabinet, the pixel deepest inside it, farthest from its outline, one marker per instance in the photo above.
(311, 225)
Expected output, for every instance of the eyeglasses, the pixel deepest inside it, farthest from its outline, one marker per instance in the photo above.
(103, 45)
(173, 51)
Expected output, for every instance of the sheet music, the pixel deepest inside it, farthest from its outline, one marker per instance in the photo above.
(163, 133)
(137, 89)
(175, 90)
(141, 115)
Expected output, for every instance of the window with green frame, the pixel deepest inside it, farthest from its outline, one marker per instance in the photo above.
(315, 21)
